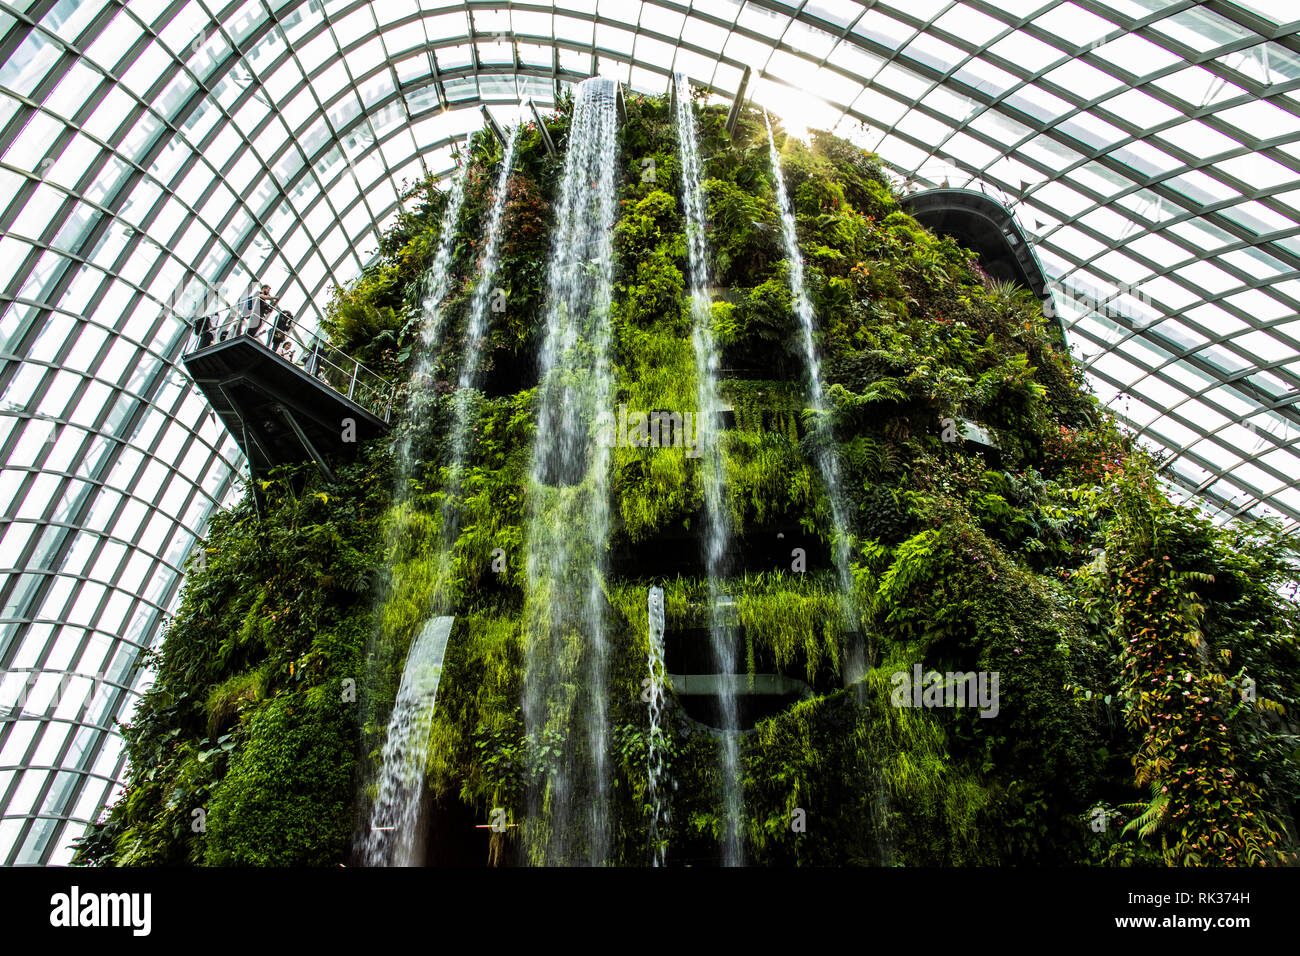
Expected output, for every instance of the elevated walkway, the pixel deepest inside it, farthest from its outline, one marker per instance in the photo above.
(983, 225)
(691, 669)
(285, 397)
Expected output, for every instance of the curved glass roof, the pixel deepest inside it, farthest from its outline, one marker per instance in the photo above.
(157, 156)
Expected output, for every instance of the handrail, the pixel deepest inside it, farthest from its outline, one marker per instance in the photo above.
(276, 332)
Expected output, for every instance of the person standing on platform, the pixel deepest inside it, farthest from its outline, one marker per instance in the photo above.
(250, 314)
(203, 329)
(262, 309)
(280, 328)
(258, 308)
(312, 359)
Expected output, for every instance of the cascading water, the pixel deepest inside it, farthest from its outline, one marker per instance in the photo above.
(855, 663)
(437, 282)
(566, 656)
(477, 326)
(827, 462)
(717, 514)
(655, 747)
(475, 331)
(395, 815)
(398, 794)
(394, 820)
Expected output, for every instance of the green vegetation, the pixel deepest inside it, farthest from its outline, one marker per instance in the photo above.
(1149, 664)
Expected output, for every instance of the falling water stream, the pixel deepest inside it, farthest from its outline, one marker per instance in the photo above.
(437, 282)
(855, 663)
(655, 747)
(471, 367)
(566, 655)
(393, 838)
(395, 813)
(717, 514)
(827, 461)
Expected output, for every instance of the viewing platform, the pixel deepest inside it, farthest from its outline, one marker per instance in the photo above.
(692, 669)
(986, 227)
(285, 397)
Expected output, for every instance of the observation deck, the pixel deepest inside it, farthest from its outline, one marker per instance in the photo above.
(986, 227)
(692, 671)
(285, 396)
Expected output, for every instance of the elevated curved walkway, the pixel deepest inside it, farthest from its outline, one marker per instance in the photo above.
(692, 671)
(984, 226)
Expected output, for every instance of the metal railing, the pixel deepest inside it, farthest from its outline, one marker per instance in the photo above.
(275, 331)
(941, 175)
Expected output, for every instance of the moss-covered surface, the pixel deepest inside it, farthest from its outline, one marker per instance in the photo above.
(1148, 663)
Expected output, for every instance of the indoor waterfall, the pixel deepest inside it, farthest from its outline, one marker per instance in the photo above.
(828, 465)
(655, 746)
(471, 367)
(717, 516)
(567, 525)
(855, 658)
(437, 282)
(377, 849)
(394, 835)
(401, 774)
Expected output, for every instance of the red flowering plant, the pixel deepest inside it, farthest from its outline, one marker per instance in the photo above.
(1089, 455)
(1205, 804)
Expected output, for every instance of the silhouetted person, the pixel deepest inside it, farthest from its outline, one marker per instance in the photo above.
(257, 307)
(280, 328)
(203, 329)
(248, 313)
(311, 362)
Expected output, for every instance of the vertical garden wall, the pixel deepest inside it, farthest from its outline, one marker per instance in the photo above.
(1147, 663)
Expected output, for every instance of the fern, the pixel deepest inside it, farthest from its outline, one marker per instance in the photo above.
(1151, 815)
(881, 390)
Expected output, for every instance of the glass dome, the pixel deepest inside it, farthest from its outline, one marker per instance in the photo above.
(160, 157)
